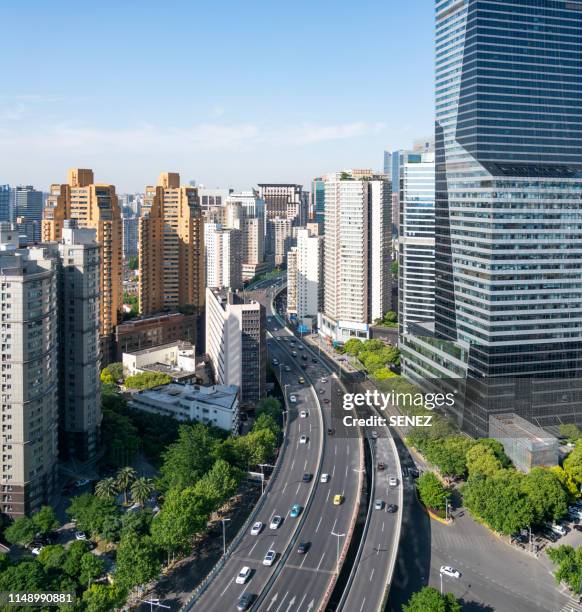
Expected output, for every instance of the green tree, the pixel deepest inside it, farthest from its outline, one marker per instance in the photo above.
(269, 406)
(353, 346)
(566, 480)
(116, 370)
(104, 597)
(430, 600)
(133, 263)
(449, 455)
(22, 531)
(45, 520)
(106, 377)
(570, 431)
(147, 380)
(266, 421)
(97, 515)
(107, 488)
(141, 490)
(546, 494)
(218, 485)
(137, 561)
(26, 576)
(183, 515)
(431, 491)
(75, 552)
(189, 458)
(136, 522)
(90, 568)
(569, 562)
(481, 459)
(573, 463)
(52, 557)
(124, 479)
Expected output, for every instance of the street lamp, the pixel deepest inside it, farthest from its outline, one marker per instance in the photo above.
(154, 602)
(441, 575)
(264, 465)
(223, 521)
(338, 536)
(446, 507)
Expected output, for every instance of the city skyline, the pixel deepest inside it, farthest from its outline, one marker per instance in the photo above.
(255, 109)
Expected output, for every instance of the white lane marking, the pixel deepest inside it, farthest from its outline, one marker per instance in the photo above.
(335, 449)
(382, 527)
(279, 606)
(333, 471)
(361, 607)
(304, 559)
(225, 588)
(301, 602)
(372, 574)
(284, 487)
(305, 465)
(293, 463)
(348, 449)
(318, 524)
(298, 487)
(346, 471)
(321, 561)
(328, 492)
(334, 523)
(273, 600)
(253, 548)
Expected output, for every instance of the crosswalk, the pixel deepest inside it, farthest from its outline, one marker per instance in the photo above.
(572, 606)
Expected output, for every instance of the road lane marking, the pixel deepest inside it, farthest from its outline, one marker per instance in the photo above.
(253, 547)
(298, 487)
(273, 600)
(317, 528)
(305, 465)
(321, 561)
(328, 492)
(301, 602)
(382, 527)
(293, 463)
(225, 588)
(372, 574)
(335, 449)
(279, 606)
(361, 607)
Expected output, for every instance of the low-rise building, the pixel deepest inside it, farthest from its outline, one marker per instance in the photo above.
(176, 359)
(216, 405)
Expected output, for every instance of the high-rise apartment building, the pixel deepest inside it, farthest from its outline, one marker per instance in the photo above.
(29, 371)
(251, 221)
(5, 203)
(305, 276)
(356, 254)
(236, 343)
(317, 207)
(171, 247)
(416, 243)
(279, 239)
(282, 200)
(223, 248)
(130, 224)
(93, 206)
(508, 211)
(27, 211)
(212, 197)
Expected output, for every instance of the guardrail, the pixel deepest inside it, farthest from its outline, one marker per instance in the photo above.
(207, 581)
(372, 491)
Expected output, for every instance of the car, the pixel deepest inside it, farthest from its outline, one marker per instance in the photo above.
(550, 535)
(293, 399)
(381, 466)
(324, 478)
(304, 357)
(245, 601)
(269, 558)
(82, 482)
(36, 550)
(449, 571)
(257, 528)
(374, 435)
(292, 343)
(326, 400)
(338, 499)
(391, 508)
(324, 380)
(294, 353)
(330, 431)
(321, 390)
(278, 338)
(275, 329)
(275, 362)
(303, 439)
(307, 477)
(276, 522)
(558, 529)
(393, 481)
(295, 510)
(414, 472)
(378, 504)
(302, 548)
(287, 369)
(303, 414)
(80, 535)
(314, 360)
(243, 575)
(301, 380)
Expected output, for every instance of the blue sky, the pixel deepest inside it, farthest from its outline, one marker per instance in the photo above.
(229, 93)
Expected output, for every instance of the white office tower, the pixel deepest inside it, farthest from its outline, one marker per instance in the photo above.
(356, 254)
(292, 283)
(280, 238)
(308, 285)
(223, 251)
(79, 360)
(416, 243)
(236, 344)
(29, 406)
(246, 211)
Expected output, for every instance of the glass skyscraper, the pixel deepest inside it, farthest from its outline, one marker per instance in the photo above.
(508, 209)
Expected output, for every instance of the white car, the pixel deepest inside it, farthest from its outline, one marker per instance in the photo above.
(275, 522)
(36, 550)
(324, 478)
(293, 399)
(324, 380)
(303, 439)
(243, 575)
(393, 481)
(80, 535)
(303, 414)
(257, 528)
(269, 557)
(451, 572)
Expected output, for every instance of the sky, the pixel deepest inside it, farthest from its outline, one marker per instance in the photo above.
(226, 92)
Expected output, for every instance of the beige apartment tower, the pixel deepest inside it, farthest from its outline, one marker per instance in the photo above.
(171, 247)
(94, 206)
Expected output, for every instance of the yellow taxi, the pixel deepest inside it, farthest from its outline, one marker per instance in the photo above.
(338, 499)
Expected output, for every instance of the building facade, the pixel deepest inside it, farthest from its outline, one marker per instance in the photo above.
(508, 211)
(416, 243)
(236, 343)
(223, 251)
(27, 211)
(94, 206)
(171, 248)
(305, 276)
(5, 203)
(130, 223)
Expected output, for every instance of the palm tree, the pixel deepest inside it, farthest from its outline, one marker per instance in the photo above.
(107, 488)
(141, 489)
(125, 476)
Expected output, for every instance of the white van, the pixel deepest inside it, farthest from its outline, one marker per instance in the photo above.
(557, 528)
